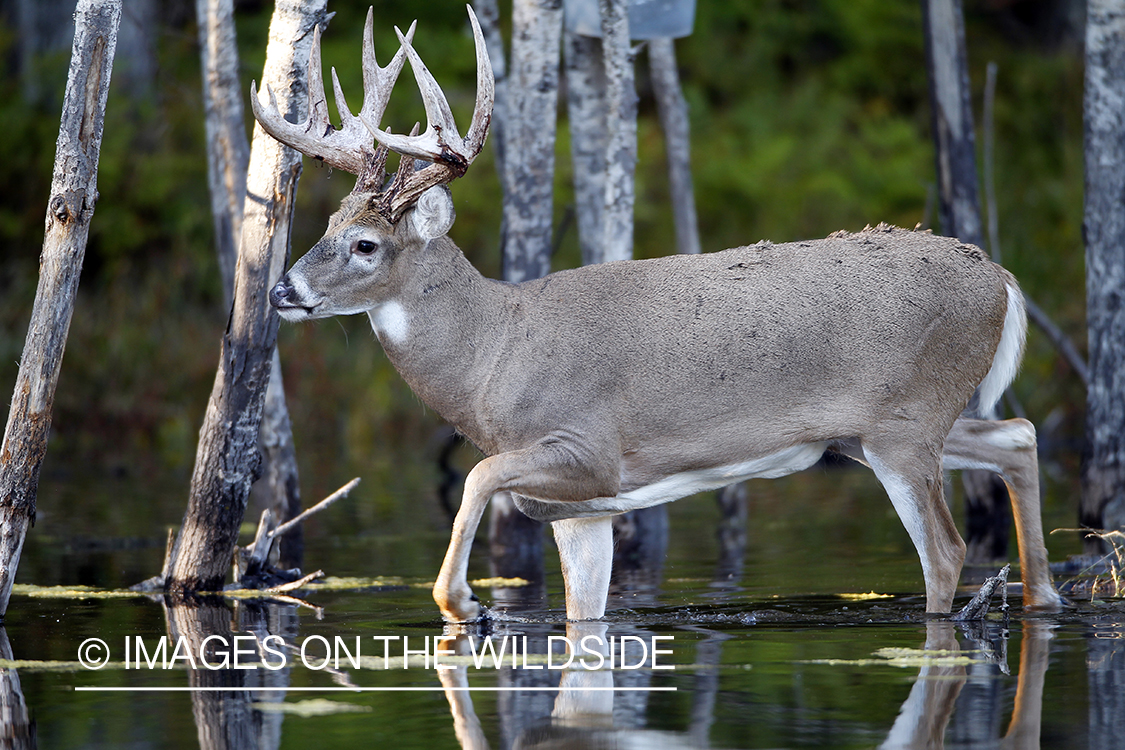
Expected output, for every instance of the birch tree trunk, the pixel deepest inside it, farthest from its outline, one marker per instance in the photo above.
(70, 209)
(621, 131)
(1103, 475)
(227, 459)
(228, 158)
(987, 513)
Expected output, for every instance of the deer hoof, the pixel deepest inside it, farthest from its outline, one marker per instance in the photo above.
(461, 608)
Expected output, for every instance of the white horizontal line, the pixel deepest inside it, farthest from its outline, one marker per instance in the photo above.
(430, 689)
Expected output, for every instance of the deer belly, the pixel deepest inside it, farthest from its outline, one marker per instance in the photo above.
(685, 483)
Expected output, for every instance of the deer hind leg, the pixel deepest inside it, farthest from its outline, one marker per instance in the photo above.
(586, 552)
(911, 475)
(565, 472)
(1009, 449)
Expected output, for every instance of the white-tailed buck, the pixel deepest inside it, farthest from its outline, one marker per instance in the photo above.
(619, 386)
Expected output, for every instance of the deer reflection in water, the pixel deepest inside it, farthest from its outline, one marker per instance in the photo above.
(584, 714)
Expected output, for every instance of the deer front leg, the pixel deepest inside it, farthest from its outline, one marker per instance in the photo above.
(553, 469)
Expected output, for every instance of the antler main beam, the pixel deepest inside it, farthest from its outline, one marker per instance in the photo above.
(351, 147)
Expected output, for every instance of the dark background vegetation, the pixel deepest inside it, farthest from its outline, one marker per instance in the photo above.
(807, 116)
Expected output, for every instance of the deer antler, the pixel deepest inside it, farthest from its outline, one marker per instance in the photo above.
(442, 145)
(350, 147)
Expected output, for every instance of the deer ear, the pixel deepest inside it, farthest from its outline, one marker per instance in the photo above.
(433, 214)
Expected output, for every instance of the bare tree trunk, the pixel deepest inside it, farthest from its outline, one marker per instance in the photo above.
(74, 194)
(1103, 475)
(529, 147)
(228, 150)
(228, 158)
(987, 513)
(672, 109)
(621, 131)
(952, 118)
(227, 460)
(279, 488)
(528, 100)
(586, 115)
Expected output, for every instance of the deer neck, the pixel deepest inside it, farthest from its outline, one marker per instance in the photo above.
(439, 329)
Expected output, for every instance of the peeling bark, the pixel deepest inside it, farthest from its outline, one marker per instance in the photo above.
(70, 210)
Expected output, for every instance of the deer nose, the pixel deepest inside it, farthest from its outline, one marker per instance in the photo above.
(281, 292)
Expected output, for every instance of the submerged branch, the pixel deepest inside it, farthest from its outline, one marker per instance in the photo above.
(977, 608)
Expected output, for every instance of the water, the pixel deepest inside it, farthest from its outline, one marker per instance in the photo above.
(771, 643)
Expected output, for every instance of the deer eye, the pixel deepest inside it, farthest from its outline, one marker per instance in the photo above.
(365, 247)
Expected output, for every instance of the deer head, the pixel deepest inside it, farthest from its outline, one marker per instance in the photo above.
(381, 220)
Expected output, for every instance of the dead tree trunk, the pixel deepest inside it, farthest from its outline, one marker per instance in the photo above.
(621, 132)
(986, 498)
(1103, 474)
(672, 110)
(227, 459)
(586, 116)
(527, 99)
(228, 150)
(529, 138)
(69, 212)
(228, 158)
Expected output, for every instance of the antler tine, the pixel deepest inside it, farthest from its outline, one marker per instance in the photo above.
(442, 142)
(379, 82)
(318, 102)
(347, 149)
(342, 108)
(486, 89)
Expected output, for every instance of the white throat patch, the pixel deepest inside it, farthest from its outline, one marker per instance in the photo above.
(390, 322)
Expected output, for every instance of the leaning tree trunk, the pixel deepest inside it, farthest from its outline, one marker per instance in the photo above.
(986, 498)
(526, 146)
(1103, 474)
(69, 212)
(227, 459)
(228, 158)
